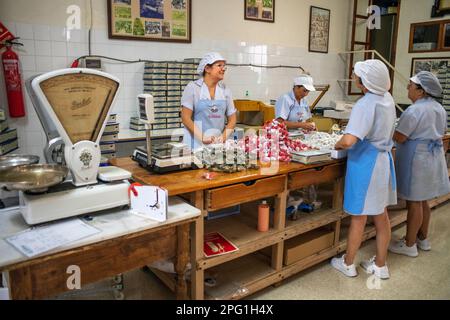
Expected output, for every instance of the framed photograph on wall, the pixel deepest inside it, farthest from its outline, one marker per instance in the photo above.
(259, 10)
(438, 66)
(150, 20)
(319, 29)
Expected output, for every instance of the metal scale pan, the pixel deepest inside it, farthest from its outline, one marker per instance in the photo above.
(33, 178)
(12, 160)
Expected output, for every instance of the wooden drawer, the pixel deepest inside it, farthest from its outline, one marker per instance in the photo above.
(244, 192)
(317, 175)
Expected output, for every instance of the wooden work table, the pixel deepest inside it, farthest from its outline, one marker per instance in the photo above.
(125, 242)
(247, 269)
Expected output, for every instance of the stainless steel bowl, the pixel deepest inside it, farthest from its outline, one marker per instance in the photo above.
(33, 177)
(13, 160)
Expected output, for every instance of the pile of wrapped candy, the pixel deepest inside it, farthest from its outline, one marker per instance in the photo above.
(273, 143)
(321, 140)
(226, 157)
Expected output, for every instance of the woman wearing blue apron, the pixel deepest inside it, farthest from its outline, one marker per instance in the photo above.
(420, 160)
(205, 104)
(370, 178)
(293, 108)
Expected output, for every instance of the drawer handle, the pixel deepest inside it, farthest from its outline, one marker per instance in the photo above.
(249, 183)
(319, 168)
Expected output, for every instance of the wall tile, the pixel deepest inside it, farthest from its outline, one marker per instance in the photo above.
(44, 64)
(43, 48)
(24, 31)
(41, 32)
(59, 49)
(58, 34)
(28, 63)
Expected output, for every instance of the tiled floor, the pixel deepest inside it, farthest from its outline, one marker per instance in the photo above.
(424, 277)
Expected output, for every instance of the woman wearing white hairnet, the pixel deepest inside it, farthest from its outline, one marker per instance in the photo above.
(370, 178)
(205, 104)
(420, 161)
(293, 108)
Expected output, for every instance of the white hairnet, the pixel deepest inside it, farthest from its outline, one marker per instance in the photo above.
(305, 81)
(429, 82)
(374, 75)
(208, 58)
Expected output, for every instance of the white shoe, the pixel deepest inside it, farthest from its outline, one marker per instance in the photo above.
(371, 268)
(423, 244)
(339, 264)
(400, 247)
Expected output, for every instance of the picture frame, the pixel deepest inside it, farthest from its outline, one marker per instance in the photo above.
(259, 10)
(150, 20)
(446, 37)
(319, 29)
(438, 65)
(440, 8)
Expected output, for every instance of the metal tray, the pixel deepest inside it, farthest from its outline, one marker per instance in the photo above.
(13, 160)
(33, 177)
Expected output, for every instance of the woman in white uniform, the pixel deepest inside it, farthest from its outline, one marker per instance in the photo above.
(420, 160)
(370, 178)
(293, 108)
(205, 104)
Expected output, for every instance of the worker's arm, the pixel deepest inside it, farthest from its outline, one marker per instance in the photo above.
(399, 137)
(346, 142)
(186, 116)
(298, 125)
(230, 126)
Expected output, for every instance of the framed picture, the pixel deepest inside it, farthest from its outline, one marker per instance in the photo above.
(446, 35)
(440, 8)
(438, 66)
(259, 10)
(153, 20)
(319, 30)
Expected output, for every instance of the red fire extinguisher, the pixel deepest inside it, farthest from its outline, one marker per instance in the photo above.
(13, 81)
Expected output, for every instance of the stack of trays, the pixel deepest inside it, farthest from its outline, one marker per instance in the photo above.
(108, 140)
(8, 137)
(164, 81)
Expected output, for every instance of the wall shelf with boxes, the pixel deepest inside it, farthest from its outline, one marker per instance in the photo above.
(430, 36)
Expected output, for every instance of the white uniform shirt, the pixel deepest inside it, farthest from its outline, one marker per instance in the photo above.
(288, 108)
(197, 90)
(423, 120)
(373, 119)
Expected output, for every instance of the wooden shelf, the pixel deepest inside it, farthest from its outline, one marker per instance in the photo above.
(311, 221)
(234, 279)
(241, 230)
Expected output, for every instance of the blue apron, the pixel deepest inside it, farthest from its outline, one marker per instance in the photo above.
(404, 162)
(361, 161)
(209, 117)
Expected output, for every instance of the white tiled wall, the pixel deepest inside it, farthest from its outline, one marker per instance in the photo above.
(48, 48)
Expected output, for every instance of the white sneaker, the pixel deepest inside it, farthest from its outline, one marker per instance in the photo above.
(339, 264)
(371, 268)
(423, 244)
(400, 247)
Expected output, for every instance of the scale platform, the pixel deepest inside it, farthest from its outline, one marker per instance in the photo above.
(166, 158)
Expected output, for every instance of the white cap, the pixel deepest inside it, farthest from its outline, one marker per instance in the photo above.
(208, 58)
(374, 75)
(429, 82)
(305, 81)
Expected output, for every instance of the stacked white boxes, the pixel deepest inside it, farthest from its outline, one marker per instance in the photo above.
(8, 137)
(108, 140)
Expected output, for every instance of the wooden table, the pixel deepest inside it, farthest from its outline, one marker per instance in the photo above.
(227, 190)
(126, 242)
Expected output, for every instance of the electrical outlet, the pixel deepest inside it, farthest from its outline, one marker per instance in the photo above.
(93, 63)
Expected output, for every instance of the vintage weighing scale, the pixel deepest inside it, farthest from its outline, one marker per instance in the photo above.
(169, 157)
(73, 106)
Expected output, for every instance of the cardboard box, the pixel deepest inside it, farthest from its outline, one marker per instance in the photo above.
(307, 244)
